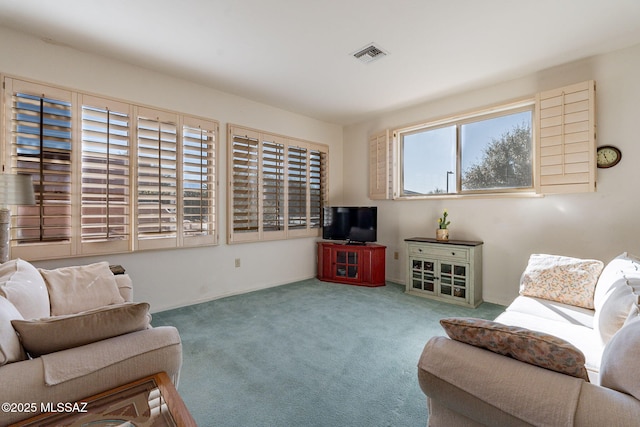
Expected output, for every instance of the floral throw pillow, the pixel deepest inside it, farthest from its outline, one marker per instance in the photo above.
(563, 279)
(536, 348)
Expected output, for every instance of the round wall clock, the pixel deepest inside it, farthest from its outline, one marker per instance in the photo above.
(608, 156)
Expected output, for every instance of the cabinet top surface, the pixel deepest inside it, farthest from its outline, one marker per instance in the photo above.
(351, 245)
(444, 242)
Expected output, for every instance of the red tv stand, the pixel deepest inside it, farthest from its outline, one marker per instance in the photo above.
(361, 265)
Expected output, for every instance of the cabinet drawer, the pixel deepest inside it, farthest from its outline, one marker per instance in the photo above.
(449, 252)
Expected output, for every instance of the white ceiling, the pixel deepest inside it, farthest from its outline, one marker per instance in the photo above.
(295, 54)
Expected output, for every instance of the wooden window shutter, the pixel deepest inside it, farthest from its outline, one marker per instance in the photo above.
(244, 190)
(157, 179)
(199, 143)
(379, 166)
(297, 180)
(566, 134)
(105, 195)
(273, 184)
(40, 127)
(318, 185)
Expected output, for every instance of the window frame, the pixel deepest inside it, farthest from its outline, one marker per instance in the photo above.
(458, 121)
(314, 177)
(75, 245)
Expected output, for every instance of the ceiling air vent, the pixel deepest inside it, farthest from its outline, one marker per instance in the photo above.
(369, 53)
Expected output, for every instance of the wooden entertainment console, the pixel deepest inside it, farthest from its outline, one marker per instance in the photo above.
(362, 265)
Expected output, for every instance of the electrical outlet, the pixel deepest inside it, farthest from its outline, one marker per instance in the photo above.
(396, 255)
(237, 262)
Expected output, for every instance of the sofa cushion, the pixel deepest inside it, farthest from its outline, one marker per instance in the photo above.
(536, 348)
(553, 310)
(10, 348)
(21, 284)
(563, 279)
(80, 288)
(620, 367)
(48, 335)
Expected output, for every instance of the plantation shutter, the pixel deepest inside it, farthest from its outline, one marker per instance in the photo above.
(105, 192)
(39, 128)
(317, 186)
(297, 192)
(244, 159)
(199, 142)
(277, 186)
(157, 179)
(273, 184)
(379, 166)
(567, 139)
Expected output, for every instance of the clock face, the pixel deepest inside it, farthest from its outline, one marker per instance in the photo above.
(608, 156)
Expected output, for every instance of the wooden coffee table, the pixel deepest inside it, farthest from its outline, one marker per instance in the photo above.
(149, 402)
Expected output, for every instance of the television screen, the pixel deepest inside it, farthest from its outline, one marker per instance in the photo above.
(351, 223)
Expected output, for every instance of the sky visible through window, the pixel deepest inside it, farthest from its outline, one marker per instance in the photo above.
(429, 156)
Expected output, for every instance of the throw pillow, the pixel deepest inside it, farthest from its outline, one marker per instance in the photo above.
(80, 288)
(624, 265)
(615, 307)
(10, 348)
(620, 366)
(21, 284)
(43, 336)
(563, 279)
(536, 348)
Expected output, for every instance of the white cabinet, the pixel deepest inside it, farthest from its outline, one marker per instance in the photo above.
(449, 271)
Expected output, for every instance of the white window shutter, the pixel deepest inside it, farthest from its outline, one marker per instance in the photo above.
(566, 135)
(379, 165)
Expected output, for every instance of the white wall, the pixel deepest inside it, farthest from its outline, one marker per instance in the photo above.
(596, 225)
(180, 277)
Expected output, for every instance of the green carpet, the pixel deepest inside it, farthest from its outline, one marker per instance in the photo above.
(309, 353)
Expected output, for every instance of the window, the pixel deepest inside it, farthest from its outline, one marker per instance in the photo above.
(489, 153)
(278, 186)
(545, 145)
(82, 152)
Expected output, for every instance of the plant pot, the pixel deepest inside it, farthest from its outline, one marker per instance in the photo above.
(442, 234)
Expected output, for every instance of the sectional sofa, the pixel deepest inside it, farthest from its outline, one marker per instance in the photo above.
(564, 353)
(74, 332)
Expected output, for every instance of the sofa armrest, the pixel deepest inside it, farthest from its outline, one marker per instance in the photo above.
(91, 369)
(489, 388)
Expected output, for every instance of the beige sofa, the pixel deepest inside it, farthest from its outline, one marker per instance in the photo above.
(71, 333)
(480, 376)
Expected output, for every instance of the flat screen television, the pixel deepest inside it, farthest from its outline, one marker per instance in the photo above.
(354, 224)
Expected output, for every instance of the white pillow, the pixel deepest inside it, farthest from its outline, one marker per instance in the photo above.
(624, 265)
(10, 348)
(81, 288)
(615, 307)
(21, 284)
(620, 366)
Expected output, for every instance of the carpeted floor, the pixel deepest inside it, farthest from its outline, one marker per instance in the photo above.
(309, 353)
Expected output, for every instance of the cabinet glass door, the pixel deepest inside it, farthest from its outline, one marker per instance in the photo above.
(423, 275)
(347, 264)
(453, 280)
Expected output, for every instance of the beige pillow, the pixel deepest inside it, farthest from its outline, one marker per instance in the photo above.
(43, 336)
(22, 284)
(620, 366)
(10, 348)
(536, 348)
(567, 280)
(80, 288)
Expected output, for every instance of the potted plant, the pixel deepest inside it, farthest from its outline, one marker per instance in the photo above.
(442, 233)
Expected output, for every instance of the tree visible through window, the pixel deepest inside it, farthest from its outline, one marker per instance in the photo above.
(505, 160)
